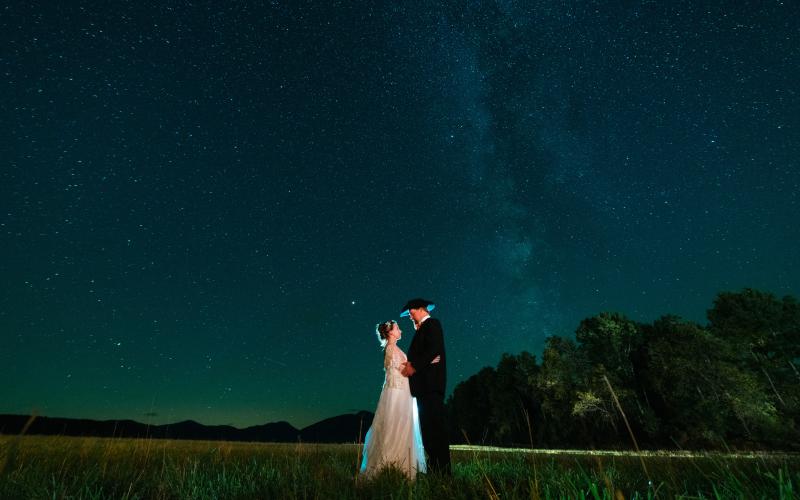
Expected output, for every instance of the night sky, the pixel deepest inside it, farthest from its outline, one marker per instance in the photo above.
(207, 206)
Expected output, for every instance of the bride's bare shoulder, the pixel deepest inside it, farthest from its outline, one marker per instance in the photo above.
(393, 350)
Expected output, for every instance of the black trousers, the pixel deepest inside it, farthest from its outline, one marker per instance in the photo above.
(435, 434)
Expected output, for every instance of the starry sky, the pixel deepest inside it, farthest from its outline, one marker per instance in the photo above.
(206, 207)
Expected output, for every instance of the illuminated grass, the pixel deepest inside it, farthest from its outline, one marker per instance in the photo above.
(69, 467)
(616, 453)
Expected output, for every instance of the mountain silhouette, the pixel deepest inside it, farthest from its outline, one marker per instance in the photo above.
(348, 428)
(340, 429)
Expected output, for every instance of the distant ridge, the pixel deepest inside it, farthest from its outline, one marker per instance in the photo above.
(348, 428)
(340, 429)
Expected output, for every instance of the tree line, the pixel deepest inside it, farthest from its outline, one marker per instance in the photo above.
(733, 383)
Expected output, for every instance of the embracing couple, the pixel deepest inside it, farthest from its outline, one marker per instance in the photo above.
(410, 419)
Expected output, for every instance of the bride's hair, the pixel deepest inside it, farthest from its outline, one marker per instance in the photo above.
(382, 331)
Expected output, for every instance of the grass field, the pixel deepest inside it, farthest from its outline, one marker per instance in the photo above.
(74, 467)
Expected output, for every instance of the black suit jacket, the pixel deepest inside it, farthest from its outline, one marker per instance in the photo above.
(428, 342)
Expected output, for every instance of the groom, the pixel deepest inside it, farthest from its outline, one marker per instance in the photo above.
(426, 370)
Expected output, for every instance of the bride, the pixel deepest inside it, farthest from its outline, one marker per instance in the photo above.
(394, 437)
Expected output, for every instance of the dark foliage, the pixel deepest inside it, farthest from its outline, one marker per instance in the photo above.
(733, 383)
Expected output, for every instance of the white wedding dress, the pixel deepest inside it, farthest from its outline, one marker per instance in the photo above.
(394, 437)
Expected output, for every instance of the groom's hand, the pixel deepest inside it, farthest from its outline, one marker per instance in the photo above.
(408, 369)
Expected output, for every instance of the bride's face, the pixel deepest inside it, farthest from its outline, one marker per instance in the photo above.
(395, 332)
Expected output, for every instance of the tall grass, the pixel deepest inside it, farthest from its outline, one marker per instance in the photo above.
(94, 468)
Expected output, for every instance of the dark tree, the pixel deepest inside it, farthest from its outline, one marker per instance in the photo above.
(733, 383)
(764, 333)
(470, 407)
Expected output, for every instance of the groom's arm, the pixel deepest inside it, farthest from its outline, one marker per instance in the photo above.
(432, 348)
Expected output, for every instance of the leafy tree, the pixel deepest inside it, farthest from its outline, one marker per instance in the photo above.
(764, 333)
(610, 339)
(559, 379)
(514, 398)
(766, 328)
(612, 344)
(470, 407)
(733, 382)
(688, 371)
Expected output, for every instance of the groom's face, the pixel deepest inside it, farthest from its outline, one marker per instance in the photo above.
(416, 314)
